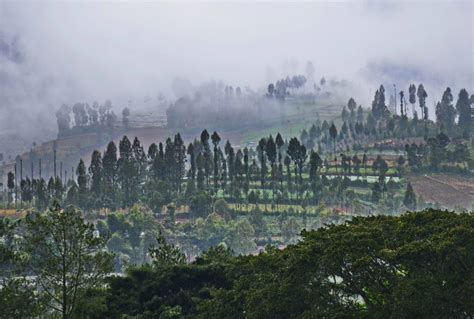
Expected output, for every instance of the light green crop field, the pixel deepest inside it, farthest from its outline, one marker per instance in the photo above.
(293, 118)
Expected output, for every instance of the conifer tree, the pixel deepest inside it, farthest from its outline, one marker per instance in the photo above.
(464, 109)
(412, 97)
(10, 185)
(333, 134)
(409, 199)
(109, 164)
(215, 141)
(263, 165)
(422, 95)
(180, 161)
(152, 152)
(96, 173)
(126, 172)
(82, 194)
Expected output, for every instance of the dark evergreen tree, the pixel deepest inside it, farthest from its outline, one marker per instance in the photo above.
(215, 141)
(263, 164)
(139, 160)
(26, 190)
(10, 185)
(179, 161)
(409, 200)
(271, 151)
(333, 134)
(110, 168)
(82, 192)
(297, 153)
(412, 97)
(127, 173)
(152, 152)
(41, 195)
(206, 155)
(445, 111)
(200, 171)
(159, 165)
(279, 143)
(378, 104)
(437, 150)
(422, 95)
(352, 105)
(96, 174)
(315, 163)
(229, 151)
(464, 110)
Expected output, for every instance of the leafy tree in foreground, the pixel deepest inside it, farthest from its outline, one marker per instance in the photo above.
(65, 257)
(373, 267)
(17, 300)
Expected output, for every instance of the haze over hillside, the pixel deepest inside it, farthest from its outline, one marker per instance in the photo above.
(53, 53)
(237, 160)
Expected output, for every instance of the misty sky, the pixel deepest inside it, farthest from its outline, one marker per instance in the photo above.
(83, 51)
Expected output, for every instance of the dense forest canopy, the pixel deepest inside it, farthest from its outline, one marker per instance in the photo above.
(414, 265)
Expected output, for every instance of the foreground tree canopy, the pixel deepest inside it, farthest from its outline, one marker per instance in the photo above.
(49, 264)
(418, 265)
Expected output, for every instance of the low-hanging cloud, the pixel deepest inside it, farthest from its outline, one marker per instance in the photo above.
(84, 51)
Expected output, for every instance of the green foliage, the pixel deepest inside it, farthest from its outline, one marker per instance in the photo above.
(200, 204)
(290, 230)
(239, 237)
(222, 208)
(258, 223)
(17, 300)
(166, 254)
(419, 265)
(64, 256)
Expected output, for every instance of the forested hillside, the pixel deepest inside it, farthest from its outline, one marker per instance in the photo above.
(417, 265)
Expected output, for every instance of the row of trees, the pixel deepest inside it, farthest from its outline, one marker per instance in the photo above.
(276, 172)
(446, 112)
(123, 176)
(281, 89)
(88, 118)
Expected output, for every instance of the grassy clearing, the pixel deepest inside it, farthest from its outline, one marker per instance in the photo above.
(293, 118)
